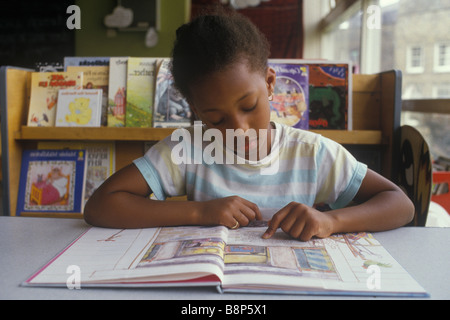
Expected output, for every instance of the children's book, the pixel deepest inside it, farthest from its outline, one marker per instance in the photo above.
(171, 108)
(330, 93)
(85, 61)
(117, 95)
(290, 98)
(96, 77)
(330, 96)
(101, 160)
(231, 260)
(79, 108)
(52, 181)
(140, 89)
(44, 95)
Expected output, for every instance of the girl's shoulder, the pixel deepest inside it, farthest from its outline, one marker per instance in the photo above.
(291, 134)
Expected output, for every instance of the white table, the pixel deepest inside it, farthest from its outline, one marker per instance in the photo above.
(26, 244)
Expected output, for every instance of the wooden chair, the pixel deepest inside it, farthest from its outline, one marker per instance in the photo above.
(415, 172)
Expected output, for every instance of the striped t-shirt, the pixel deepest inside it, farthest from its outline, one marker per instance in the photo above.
(303, 167)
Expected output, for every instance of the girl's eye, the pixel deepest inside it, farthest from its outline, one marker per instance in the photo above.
(216, 123)
(250, 109)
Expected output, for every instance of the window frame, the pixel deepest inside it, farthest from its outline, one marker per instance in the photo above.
(410, 59)
(437, 57)
(344, 9)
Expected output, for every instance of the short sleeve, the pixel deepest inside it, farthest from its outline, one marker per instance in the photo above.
(339, 174)
(164, 177)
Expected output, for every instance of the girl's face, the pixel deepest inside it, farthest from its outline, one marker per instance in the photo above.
(236, 98)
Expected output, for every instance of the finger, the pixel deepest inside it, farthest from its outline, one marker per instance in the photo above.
(254, 212)
(275, 222)
(308, 232)
(242, 219)
(296, 230)
(235, 225)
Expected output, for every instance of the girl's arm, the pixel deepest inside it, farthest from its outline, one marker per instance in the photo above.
(123, 201)
(381, 206)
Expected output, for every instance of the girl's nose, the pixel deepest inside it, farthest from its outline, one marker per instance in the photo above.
(240, 122)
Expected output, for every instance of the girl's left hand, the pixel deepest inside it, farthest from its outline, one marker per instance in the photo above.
(301, 222)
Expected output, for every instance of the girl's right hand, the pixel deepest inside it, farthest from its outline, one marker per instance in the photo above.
(232, 212)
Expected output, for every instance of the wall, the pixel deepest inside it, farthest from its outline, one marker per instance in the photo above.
(93, 38)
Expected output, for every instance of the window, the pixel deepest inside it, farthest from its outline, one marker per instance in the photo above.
(441, 91)
(414, 59)
(442, 57)
(413, 37)
(344, 42)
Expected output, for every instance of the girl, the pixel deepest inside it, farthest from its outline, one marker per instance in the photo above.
(220, 66)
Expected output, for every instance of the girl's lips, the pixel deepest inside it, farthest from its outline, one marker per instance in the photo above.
(251, 145)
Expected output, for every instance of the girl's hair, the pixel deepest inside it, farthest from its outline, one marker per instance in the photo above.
(210, 43)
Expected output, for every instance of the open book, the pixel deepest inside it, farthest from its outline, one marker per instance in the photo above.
(233, 260)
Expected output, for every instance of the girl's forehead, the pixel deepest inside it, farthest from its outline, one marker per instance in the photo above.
(234, 83)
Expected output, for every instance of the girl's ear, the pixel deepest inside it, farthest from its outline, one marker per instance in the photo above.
(271, 76)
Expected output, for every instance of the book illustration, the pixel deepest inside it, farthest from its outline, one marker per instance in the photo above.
(50, 185)
(140, 92)
(51, 181)
(329, 96)
(171, 108)
(49, 67)
(168, 253)
(113, 237)
(79, 108)
(100, 160)
(117, 95)
(235, 260)
(290, 99)
(44, 95)
(96, 77)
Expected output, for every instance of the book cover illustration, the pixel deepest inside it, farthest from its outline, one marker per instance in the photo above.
(44, 95)
(79, 108)
(52, 181)
(42, 66)
(171, 108)
(96, 77)
(140, 92)
(329, 96)
(85, 61)
(117, 95)
(101, 160)
(290, 99)
(233, 261)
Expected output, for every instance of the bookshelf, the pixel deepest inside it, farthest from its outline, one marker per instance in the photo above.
(376, 101)
(368, 137)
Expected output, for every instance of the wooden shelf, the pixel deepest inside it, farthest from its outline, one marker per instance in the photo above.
(93, 134)
(367, 137)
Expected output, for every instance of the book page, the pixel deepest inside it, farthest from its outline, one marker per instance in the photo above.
(115, 255)
(353, 262)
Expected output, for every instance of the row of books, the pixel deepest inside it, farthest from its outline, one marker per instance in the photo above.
(107, 91)
(139, 92)
(59, 177)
